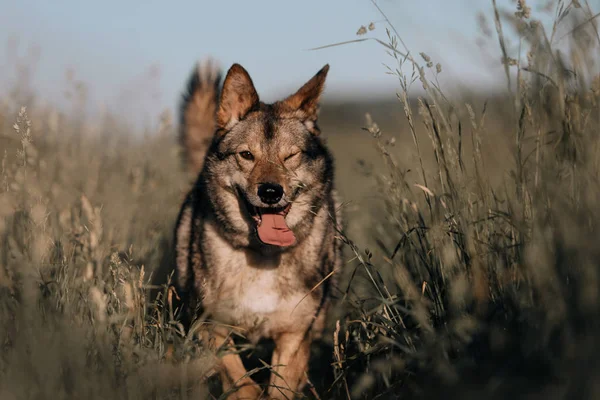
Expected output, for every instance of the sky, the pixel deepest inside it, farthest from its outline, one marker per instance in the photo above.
(134, 56)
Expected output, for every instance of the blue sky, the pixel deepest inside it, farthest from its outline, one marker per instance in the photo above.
(135, 55)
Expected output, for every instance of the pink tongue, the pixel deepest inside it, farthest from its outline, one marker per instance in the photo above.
(273, 230)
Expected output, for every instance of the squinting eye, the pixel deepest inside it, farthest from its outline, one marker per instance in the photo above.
(291, 155)
(247, 155)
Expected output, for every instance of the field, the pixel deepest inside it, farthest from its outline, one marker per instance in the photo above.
(471, 246)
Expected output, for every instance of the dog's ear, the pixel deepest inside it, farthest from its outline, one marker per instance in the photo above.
(304, 104)
(238, 97)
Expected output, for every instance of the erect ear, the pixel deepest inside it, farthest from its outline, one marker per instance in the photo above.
(304, 104)
(238, 97)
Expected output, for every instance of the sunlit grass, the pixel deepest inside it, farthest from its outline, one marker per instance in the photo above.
(472, 259)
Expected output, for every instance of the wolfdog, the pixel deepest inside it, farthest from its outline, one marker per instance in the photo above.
(256, 239)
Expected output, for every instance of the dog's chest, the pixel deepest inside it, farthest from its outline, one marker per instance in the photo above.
(261, 294)
(249, 291)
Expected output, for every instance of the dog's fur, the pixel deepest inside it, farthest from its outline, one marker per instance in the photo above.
(223, 269)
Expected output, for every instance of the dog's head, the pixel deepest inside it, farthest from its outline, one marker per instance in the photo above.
(268, 162)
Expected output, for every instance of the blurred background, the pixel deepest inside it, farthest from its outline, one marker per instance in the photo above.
(134, 56)
(131, 60)
(470, 192)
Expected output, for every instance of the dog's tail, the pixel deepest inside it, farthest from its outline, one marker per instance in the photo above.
(198, 114)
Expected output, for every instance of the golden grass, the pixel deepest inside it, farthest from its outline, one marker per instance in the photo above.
(472, 259)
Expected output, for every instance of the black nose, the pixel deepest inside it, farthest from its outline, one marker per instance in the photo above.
(270, 193)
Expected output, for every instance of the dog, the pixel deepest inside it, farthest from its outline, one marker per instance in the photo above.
(256, 239)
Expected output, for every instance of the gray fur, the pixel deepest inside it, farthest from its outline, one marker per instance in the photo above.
(264, 290)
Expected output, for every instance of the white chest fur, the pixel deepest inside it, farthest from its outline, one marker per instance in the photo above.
(258, 293)
(260, 296)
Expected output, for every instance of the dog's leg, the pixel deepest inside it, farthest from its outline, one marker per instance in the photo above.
(289, 363)
(232, 370)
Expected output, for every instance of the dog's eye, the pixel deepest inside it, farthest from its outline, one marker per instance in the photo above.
(247, 155)
(291, 156)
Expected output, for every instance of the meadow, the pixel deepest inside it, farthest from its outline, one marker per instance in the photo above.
(471, 246)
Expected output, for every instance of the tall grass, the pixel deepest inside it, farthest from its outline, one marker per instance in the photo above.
(487, 289)
(473, 275)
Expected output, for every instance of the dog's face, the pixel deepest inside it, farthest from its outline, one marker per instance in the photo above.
(267, 160)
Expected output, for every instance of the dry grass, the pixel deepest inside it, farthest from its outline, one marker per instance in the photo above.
(473, 265)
